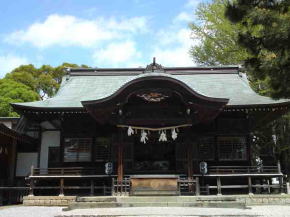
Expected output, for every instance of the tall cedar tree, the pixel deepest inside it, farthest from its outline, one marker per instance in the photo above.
(265, 33)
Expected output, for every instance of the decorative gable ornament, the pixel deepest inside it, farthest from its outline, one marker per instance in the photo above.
(154, 67)
(153, 96)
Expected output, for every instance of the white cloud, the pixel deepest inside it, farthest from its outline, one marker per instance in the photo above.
(117, 54)
(183, 17)
(66, 30)
(9, 62)
(192, 3)
(173, 57)
(175, 46)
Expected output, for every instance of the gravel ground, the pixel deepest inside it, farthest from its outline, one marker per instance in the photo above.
(22, 211)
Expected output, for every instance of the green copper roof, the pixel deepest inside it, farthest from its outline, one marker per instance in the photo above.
(77, 87)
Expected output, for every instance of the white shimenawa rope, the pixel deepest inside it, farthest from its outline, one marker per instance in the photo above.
(162, 131)
(155, 129)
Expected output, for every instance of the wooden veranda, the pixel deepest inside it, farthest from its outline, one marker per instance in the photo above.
(62, 178)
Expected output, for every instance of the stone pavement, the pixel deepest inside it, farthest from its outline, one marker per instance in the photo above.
(32, 211)
(180, 211)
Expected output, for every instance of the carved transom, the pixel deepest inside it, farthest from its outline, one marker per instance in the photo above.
(153, 96)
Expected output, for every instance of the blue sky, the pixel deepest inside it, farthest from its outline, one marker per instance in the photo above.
(99, 33)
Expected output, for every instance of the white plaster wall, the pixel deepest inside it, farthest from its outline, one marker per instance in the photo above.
(24, 163)
(48, 139)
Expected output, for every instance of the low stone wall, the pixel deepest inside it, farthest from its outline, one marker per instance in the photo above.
(260, 199)
(48, 200)
(249, 200)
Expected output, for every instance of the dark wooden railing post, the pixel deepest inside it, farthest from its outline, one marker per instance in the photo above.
(31, 182)
(31, 187)
(279, 166)
(250, 185)
(61, 189)
(219, 186)
(197, 187)
(113, 187)
(92, 189)
(32, 170)
(280, 177)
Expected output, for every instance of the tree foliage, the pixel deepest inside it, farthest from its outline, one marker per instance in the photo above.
(28, 83)
(44, 80)
(265, 33)
(217, 36)
(12, 91)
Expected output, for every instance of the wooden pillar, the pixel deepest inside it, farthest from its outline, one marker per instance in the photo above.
(120, 157)
(219, 186)
(189, 160)
(12, 160)
(190, 166)
(250, 185)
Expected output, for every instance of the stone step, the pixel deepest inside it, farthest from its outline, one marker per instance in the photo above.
(133, 199)
(96, 199)
(214, 204)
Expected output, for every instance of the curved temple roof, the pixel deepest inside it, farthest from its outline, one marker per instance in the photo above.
(95, 84)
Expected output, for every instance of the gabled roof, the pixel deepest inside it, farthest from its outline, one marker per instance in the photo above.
(95, 84)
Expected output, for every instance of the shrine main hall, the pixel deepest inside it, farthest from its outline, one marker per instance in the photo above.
(149, 131)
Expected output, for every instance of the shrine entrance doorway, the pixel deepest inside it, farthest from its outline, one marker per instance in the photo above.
(154, 157)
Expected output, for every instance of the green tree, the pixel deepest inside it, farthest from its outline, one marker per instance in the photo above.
(265, 33)
(44, 80)
(217, 36)
(27, 83)
(12, 91)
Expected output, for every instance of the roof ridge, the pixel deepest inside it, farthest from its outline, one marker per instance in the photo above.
(166, 70)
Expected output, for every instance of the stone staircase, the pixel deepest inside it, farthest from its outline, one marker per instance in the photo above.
(156, 201)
